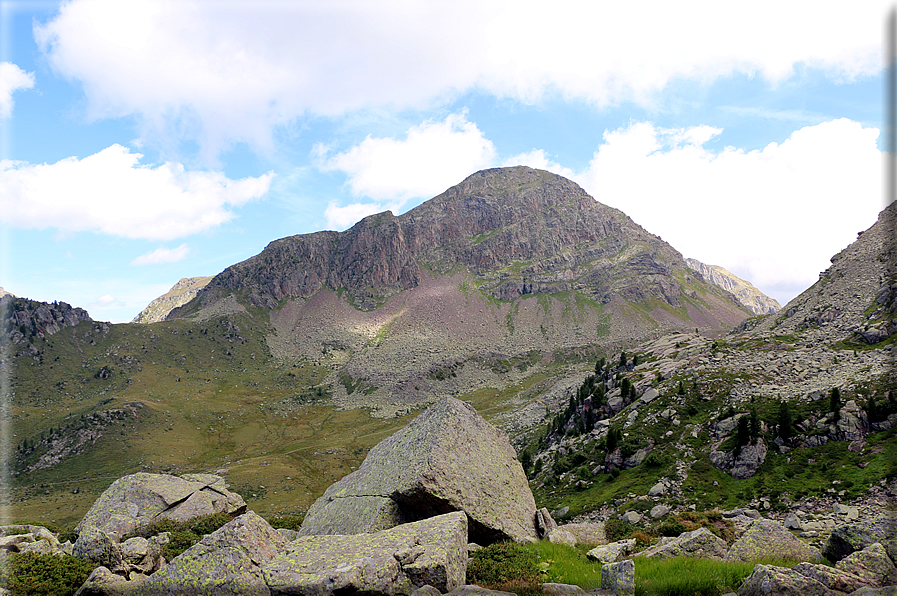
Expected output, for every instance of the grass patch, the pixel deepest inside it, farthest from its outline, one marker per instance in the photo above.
(688, 577)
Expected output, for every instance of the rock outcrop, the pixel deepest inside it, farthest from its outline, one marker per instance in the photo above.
(849, 538)
(447, 459)
(745, 463)
(755, 300)
(25, 319)
(180, 293)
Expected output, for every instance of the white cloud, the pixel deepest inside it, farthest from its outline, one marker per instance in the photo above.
(12, 79)
(539, 160)
(163, 255)
(773, 216)
(432, 157)
(222, 72)
(111, 192)
(340, 218)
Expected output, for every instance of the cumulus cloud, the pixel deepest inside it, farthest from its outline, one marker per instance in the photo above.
(110, 192)
(232, 71)
(163, 255)
(774, 216)
(537, 158)
(12, 79)
(432, 157)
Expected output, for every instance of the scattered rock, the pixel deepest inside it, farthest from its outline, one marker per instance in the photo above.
(561, 536)
(831, 578)
(102, 582)
(544, 522)
(659, 511)
(632, 517)
(562, 590)
(853, 537)
(872, 565)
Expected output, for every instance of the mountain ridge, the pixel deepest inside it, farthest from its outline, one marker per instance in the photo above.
(755, 300)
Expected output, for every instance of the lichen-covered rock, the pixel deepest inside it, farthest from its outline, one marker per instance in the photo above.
(561, 536)
(853, 537)
(102, 582)
(227, 561)
(447, 459)
(768, 539)
(26, 538)
(743, 465)
(544, 522)
(395, 561)
(699, 543)
(556, 589)
(134, 502)
(586, 533)
(830, 577)
(609, 553)
(872, 565)
(768, 580)
(99, 547)
(475, 590)
(867, 591)
(619, 577)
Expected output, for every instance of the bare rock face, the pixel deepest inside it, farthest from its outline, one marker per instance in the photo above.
(767, 539)
(27, 318)
(227, 561)
(755, 300)
(396, 561)
(745, 464)
(447, 459)
(134, 502)
(180, 293)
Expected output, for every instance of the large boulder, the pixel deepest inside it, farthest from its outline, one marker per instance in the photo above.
(227, 561)
(395, 561)
(447, 459)
(767, 539)
(743, 465)
(699, 543)
(872, 565)
(586, 533)
(609, 553)
(619, 577)
(132, 503)
(853, 537)
(768, 580)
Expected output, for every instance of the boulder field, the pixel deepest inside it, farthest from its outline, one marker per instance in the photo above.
(403, 524)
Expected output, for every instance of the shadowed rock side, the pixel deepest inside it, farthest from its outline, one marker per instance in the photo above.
(447, 459)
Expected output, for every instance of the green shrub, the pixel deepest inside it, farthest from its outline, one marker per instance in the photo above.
(671, 527)
(184, 534)
(503, 562)
(287, 522)
(616, 529)
(26, 574)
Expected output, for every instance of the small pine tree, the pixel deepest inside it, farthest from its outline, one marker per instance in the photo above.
(755, 425)
(624, 387)
(785, 423)
(613, 437)
(834, 403)
(742, 434)
(622, 359)
(681, 390)
(632, 393)
(599, 366)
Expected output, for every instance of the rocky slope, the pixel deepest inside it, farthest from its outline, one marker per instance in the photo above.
(512, 262)
(180, 293)
(853, 299)
(23, 319)
(792, 413)
(755, 300)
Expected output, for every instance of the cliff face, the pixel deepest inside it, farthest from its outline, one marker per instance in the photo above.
(23, 319)
(518, 230)
(755, 300)
(180, 293)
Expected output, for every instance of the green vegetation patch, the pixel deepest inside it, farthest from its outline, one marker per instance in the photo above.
(682, 576)
(26, 574)
(184, 534)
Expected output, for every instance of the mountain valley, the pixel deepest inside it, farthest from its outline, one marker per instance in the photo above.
(504, 291)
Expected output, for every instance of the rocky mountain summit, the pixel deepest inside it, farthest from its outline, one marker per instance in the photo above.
(511, 263)
(180, 293)
(755, 300)
(23, 319)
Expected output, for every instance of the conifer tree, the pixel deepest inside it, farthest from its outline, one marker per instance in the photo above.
(784, 421)
(834, 403)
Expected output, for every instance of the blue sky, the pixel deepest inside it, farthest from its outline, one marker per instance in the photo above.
(146, 141)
